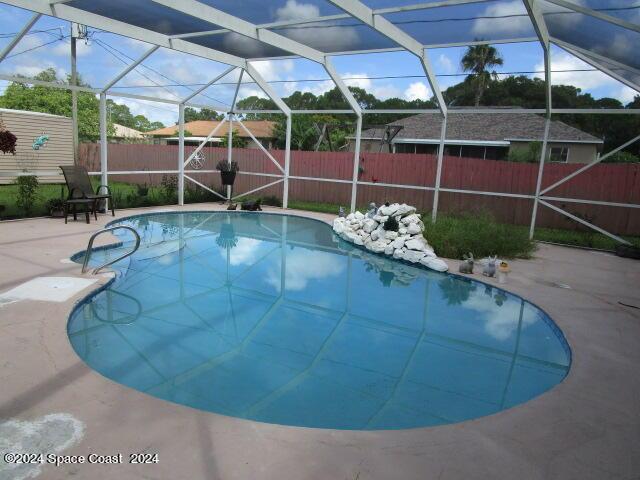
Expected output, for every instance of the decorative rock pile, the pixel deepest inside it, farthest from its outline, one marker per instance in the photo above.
(407, 243)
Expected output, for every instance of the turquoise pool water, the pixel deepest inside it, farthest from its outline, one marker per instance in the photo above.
(272, 318)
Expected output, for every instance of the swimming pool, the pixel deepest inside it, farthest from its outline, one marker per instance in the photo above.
(273, 318)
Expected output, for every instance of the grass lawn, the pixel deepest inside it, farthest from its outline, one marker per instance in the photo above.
(451, 236)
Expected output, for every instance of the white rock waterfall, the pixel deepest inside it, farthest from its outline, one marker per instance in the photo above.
(404, 241)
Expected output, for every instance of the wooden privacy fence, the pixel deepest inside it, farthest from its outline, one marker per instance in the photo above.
(605, 182)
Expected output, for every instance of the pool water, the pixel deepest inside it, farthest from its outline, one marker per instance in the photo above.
(272, 318)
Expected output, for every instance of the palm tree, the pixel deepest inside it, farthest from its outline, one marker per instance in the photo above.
(478, 59)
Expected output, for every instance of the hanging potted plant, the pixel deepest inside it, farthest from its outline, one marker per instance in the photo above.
(228, 171)
(7, 140)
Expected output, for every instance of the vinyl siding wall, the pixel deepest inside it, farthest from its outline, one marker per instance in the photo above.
(27, 126)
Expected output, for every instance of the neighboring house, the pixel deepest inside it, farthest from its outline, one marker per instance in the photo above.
(483, 135)
(27, 127)
(124, 134)
(262, 130)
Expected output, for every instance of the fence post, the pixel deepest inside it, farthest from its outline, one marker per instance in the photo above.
(181, 154)
(356, 164)
(436, 192)
(287, 163)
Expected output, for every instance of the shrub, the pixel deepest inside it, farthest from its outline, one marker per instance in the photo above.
(622, 157)
(27, 192)
(453, 236)
(169, 187)
(391, 225)
(271, 200)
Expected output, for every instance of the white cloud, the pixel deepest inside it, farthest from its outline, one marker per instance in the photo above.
(63, 49)
(446, 65)
(326, 38)
(584, 80)
(417, 91)
(297, 11)
(304, 265)
(502, 26)
(246, 252)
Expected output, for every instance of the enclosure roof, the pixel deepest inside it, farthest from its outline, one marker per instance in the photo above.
(490, 127)
(202, 128)
(603, 32)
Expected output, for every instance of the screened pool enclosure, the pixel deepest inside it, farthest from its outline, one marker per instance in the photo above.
(235, 34)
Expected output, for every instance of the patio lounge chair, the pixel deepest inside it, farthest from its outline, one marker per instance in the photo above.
(81, 191)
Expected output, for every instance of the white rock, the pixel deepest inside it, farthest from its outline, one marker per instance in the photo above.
(434, 264)
(412, 256)
(374, 235)
(358, 215)
(389, 249)
(358, 241)
(398, 243)
(398, 253)
(377, 246)
(402, 231)
(350, 217)
(413, 229)
(413, 218)
(370, 225)
(390, 235)
(385, 211)
(417, 243)
(338, 225)
(404, 209)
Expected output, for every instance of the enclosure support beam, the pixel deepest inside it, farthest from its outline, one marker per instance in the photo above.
(356, 164)
(205, 141)
(573, 6)
(207, 85)
(181, 154)
(7, 50)
(378, 22)
(130, 67)
(543, 157)
(436, 193)
(230, 150)
(74, 95)
(584, 222)
(104, 178)
(287, 164)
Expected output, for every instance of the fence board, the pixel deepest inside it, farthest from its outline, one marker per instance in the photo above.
(605, 182)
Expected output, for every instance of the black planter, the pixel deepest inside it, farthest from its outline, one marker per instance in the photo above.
(228, 177)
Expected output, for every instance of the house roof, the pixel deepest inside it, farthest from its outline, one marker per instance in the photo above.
(483, 127)
(120, 131)
(202, 128)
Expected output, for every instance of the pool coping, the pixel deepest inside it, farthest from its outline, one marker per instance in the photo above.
(585, 427)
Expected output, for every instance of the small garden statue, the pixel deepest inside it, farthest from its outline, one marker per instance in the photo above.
(503, 272)
(341, 212)
(489, 270)
(372, 210)
(467, 265)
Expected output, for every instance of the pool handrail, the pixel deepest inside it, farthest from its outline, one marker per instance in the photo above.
(87, 255)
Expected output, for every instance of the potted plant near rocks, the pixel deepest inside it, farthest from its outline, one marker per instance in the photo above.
(55, 207)
(228, 171)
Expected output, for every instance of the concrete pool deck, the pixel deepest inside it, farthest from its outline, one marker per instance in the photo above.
(586, 427)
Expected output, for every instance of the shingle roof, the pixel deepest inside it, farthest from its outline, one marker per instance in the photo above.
(202, 128)
(488, 127)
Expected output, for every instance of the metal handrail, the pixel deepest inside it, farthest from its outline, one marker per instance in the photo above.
(87, 256)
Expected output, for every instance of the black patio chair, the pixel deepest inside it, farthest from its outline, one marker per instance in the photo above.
(81, 191)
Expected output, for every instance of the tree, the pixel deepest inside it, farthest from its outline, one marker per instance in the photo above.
(57, 101)
(236, 140)
(191, 114)
(478, 59)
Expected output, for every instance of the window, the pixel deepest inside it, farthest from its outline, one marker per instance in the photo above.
(559, 154)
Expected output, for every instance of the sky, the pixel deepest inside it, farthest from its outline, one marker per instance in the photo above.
(102, 57)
